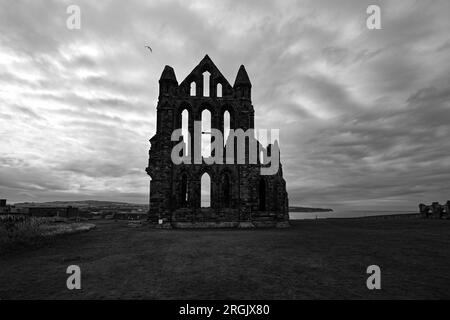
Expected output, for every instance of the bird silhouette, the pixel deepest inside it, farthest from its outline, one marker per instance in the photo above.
(149, 48)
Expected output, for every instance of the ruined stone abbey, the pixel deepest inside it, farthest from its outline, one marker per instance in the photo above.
(202, 194)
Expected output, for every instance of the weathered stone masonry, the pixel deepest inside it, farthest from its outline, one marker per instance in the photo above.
(240, 195)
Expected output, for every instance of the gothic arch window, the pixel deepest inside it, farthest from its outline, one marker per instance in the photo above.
(226, 191)
(206, 133)
(261, 150)
(185, 129)
(226, 126)
(206, 78)
(193, 89)
(219, 90)
(184, 195)
(205, 198)
(262, 194)
(276, 203)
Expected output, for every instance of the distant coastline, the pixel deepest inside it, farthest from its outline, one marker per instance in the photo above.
(308, 209)
(340, 213)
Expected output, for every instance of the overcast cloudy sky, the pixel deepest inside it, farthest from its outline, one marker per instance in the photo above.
(364, 114)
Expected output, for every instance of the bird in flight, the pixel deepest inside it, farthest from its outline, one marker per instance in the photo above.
(149, 48)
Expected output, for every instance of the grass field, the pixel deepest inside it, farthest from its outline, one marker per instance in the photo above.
(315, 259)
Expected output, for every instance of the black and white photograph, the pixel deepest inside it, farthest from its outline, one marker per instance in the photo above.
(224, 155)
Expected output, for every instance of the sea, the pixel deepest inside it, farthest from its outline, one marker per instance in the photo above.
(344, 213)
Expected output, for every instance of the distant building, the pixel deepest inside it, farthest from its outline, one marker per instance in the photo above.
(4, 208)
(66, 212)
(435, 210)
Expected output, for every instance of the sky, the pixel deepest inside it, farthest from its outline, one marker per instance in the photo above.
(363, 114)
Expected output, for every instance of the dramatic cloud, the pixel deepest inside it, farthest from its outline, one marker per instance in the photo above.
(364, 114)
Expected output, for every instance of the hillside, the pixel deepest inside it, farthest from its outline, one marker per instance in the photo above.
(79, 204)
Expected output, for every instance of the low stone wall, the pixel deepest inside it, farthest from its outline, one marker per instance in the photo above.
(187, 218)
(219, 218)
(187, 215)
(205, 225)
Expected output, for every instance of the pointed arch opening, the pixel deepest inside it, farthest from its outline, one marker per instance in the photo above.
(276, 203)
(219, 90)
(205, 198)
(262, 194)
(206, 78)
(193, 89)
(226, 126)
(185, 129)
(226, 191)
(206, 133)
(184, 190)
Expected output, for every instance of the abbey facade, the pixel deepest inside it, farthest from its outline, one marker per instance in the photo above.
(197, 193)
